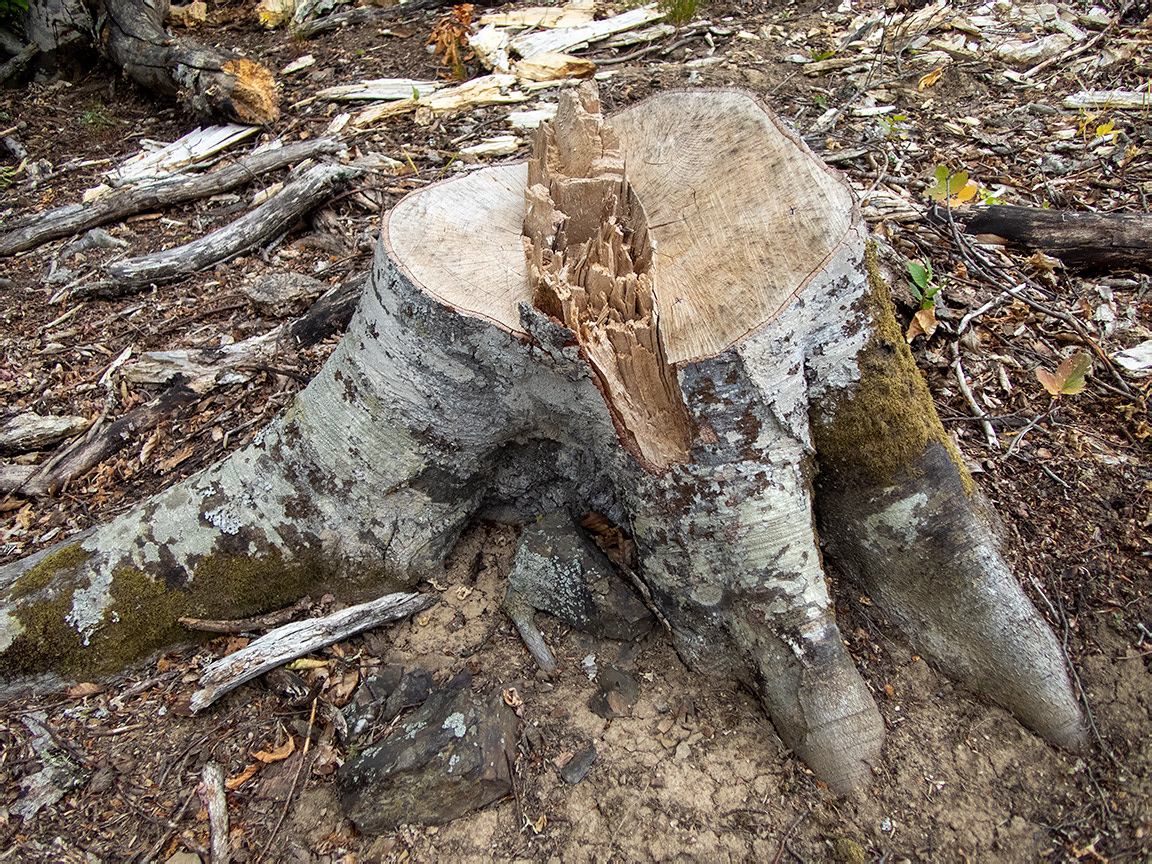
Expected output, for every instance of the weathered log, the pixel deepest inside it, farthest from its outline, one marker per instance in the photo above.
(253, 229)
(129, 200)
(1079, 239)
(713, 336)
(210, 82)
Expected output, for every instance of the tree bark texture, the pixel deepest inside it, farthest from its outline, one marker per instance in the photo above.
(209, 81)
(1079, 239)
(690, 250)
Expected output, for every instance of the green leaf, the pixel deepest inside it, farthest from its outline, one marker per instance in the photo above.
(920, 274)
(957, 182)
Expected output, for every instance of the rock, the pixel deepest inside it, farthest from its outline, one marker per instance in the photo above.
(381, 697)
(280, 294)
(450, 757)
(616, 694)
(579, 766)
(560, 571)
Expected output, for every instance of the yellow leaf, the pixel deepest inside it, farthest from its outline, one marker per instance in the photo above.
(306, 663)
(931, 78)
(1105, 128)
(967, 193)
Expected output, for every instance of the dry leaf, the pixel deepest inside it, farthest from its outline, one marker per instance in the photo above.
(79, 691)
(1069, 379)
(923, 324)
(234, 783)
(304, 663)
(931, 78)
(281, 752)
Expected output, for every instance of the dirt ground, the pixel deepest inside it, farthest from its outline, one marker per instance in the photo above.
(696, 773)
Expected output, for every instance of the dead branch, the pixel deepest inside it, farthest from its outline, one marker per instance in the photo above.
(253, 229)
(129, 200)
(297, 639)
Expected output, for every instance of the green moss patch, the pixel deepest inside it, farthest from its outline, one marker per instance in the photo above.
(37, 578)
(881, 430)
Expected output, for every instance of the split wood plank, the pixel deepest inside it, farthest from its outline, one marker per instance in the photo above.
(299, 638)
(568, 38)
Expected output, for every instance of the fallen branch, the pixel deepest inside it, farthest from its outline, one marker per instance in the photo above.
(253, 229)
(245, 625)
(19, 63)
(129, 200)
(297, 639)
(211, 791)
(1079, 239)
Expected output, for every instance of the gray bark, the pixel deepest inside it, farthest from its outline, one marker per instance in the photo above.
(453, 397)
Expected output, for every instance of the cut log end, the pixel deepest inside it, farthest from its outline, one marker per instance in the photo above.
(254, 97)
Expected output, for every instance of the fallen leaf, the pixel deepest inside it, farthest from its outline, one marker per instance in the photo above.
(303, 663)
(282, 752)
(923, 324)
(234, 783)
(931, 78)
(1069, 378)
(79, 691)
(512, 698)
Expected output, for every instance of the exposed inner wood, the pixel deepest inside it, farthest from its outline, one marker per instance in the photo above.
(591, 266)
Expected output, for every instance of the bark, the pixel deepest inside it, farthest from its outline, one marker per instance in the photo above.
(712, 339)
(129, 200)
(1095, 240)
(210, 82)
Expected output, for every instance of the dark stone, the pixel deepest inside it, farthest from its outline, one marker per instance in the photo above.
(560, 571)
(617, 691)
(579, 765)
(450, 757)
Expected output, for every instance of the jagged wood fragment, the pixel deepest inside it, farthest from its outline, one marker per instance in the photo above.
(297, 639)
(591, 267)
(132, 199)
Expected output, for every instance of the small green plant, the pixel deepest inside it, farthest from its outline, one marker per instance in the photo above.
(1069, 378)
(894, 128)
(678, 12)
(96, 115)
(821, 55)
(922, 285)
(821, 100)
(952, 188)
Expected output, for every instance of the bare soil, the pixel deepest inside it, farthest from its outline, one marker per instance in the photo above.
(696, 773)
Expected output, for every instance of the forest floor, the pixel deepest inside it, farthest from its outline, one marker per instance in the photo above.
(696, 773)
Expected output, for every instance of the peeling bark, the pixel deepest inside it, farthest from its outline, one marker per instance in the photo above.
(453, 397)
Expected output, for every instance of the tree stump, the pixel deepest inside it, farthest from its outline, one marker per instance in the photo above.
(671, 317)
